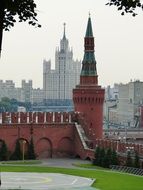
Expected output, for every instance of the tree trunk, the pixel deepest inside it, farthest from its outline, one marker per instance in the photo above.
(1, 24)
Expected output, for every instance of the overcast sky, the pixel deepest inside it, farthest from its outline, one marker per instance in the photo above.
(118, 41)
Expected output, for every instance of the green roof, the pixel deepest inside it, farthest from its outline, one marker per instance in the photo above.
(89, 32)
(89, 62)
(89, 57)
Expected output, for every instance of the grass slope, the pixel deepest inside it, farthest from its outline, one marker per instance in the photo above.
(105, 180)
(25, 162)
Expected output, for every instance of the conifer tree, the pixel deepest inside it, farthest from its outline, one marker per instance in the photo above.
(102, 157)
(136, 161)
(129, 162)
(114, 158)
(3, 151)
(96, 160)
(107, 158)
(31, 152)
(17, 154)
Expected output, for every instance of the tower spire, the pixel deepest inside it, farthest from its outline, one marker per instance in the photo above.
(64, 35)
(88, 96)
(89, 62)
(89, 32)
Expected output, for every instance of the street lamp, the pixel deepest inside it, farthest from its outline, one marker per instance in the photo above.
(23, 149)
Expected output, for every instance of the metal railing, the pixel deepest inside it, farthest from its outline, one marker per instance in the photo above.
(125, 169)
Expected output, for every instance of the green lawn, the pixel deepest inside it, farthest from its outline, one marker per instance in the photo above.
(25, 162)
(105, 180)
(89, 166)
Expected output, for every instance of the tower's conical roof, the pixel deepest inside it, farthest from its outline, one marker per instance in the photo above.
(89, 62)
(89, 32)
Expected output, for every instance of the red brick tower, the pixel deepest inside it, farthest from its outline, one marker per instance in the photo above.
(88, 96)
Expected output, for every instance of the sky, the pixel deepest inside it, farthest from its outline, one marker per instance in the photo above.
(118, 41)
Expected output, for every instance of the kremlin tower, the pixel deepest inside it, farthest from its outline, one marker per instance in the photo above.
(88, 96)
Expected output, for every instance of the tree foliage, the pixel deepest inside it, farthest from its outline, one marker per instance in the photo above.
(3, 151)
(25, 10)
(114, 158)
(7, 105)
(136, 160)
(129, 162)
(96, 160)
(108, 158)
(17, 154)
(105, 158)
(31, 152)
(126, 6)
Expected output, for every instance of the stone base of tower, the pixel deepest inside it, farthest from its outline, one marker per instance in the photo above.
(88, 101)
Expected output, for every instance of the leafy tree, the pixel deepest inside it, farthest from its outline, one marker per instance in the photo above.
(96, 160)
(31, 152)
(7, 105)
(136, 161)
(9, 9)
(126, 6)
(129, 162)
(3, 151)
(17, 155)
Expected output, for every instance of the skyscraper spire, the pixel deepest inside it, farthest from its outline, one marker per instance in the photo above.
(89, 62)
(64, 35)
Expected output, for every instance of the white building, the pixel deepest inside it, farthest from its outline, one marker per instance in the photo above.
(130, 98)
(124, 110)
(112, 93)
(26, 91)
(24, 94)
(37, 95)
(58, 83)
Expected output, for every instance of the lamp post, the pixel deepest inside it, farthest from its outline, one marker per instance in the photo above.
(23, 149)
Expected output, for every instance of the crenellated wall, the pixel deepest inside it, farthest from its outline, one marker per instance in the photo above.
(121, 148)
(37, 117)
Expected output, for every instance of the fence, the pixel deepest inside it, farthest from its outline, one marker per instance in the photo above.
(125, 169)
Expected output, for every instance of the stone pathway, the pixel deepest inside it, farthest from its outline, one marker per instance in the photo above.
(63, 162)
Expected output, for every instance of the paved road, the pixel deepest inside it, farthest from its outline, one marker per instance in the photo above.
(63, 162)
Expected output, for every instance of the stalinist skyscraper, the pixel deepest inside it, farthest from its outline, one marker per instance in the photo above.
(59, 83)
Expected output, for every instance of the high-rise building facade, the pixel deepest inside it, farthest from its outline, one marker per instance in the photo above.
(8, 89)
(27, 91)
(58, 83)
(24, 94)
(130, 99)
(125, 110)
